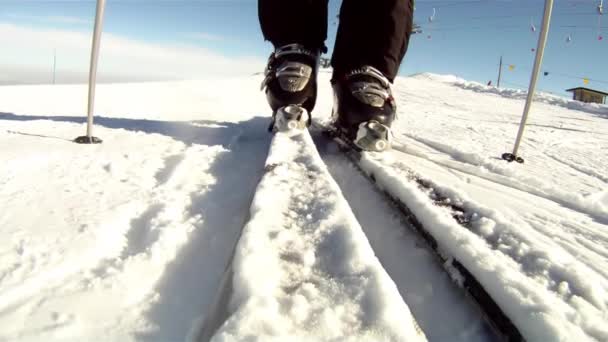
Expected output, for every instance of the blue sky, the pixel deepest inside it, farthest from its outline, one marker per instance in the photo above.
(466, 38)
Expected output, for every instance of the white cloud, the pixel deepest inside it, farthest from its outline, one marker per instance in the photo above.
(51, 19)
(68, 20)
(205, 36)
(121, 59)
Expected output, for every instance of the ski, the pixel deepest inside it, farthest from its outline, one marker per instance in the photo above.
(300, 228)
(360, 159)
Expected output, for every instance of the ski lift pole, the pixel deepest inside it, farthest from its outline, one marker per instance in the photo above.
(499, 73)
(89, 138)
(542, 40)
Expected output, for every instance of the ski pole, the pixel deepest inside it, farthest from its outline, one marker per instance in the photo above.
(89, 138)
(542, 40)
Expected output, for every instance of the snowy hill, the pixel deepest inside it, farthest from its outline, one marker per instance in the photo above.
(129, 240)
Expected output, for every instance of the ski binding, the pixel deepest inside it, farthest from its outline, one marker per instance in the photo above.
(289, 118)
(373, 136)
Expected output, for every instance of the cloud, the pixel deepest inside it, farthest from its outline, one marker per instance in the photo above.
(205, 36)
(67, 20)
(121, 59)
(50, 19)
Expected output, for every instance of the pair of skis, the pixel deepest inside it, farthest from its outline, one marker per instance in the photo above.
(374, 137)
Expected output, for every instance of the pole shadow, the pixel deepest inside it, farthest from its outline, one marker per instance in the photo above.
(202, 132)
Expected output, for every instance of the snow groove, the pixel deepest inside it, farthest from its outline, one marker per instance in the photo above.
(171, 162)
(186, 291)
(142, 234)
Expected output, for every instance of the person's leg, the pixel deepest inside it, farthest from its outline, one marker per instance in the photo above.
(371, 42)
(302, 22)
(297, 29)
(374, 33)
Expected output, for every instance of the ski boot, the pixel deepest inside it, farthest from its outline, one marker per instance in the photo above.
(290, 84)
(364, 109)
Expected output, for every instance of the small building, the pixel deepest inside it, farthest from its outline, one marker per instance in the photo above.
(588, 95)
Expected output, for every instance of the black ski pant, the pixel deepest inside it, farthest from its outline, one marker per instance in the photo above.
(371, 32)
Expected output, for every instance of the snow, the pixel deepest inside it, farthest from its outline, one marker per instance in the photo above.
(537, 240)
(511, 93)
(101, 238)
(518, 267)
(303, 267)
(428, 291)
(148, 235)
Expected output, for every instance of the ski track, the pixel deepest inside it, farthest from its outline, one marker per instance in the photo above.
(509, 233)
(586, 236)
(581, 169)
(470, 164)
(426, 287)
(564, 278)
(578, 241)
(166, 225)
(159, 230)
(186, 292)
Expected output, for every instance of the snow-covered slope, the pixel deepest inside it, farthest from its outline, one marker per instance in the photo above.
(538, 233)
(129, 240)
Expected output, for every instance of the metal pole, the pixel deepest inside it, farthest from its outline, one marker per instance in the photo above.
(542, 40)
(499, 73)
(54, 64)
(89, 138)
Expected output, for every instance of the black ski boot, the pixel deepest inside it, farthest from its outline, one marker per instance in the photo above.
(290, 84)
(364, 108)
